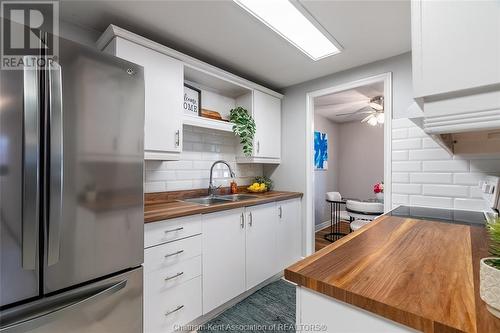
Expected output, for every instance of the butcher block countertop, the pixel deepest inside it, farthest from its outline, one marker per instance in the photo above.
(420, 273)
(157, 210)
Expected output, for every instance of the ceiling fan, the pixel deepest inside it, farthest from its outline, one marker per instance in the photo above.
(374, 109)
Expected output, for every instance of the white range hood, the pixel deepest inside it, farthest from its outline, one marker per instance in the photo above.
(463, 124)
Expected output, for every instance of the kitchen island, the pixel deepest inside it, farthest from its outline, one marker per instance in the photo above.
(397, 274)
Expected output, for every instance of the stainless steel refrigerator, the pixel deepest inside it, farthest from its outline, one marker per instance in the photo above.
(71, 195)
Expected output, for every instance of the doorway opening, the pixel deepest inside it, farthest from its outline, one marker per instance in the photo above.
(349, 145)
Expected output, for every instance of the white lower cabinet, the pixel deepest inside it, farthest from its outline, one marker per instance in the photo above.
(237, 250)
(289, 235)
(261, 249)
(223, 238)
(172, 284)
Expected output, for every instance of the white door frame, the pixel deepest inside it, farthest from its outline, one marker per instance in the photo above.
(309, 195)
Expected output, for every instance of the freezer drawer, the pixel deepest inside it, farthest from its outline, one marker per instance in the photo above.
(113, 305)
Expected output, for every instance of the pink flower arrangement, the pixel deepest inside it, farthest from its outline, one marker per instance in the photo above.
(378, 188)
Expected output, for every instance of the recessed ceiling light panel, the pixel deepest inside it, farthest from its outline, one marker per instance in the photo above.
(286, 20)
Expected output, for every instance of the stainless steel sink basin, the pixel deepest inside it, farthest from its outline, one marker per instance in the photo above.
(220, 199)
(236, 197)
(207, 201)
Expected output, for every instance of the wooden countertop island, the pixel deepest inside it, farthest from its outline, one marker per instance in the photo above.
(166, 206)
(419, 273)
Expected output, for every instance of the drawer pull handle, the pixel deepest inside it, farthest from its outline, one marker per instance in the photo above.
(174, 276)
(174, 310)
(174, 230)
(280, 212)
(173, 254)
(250, 223)
(242, 221)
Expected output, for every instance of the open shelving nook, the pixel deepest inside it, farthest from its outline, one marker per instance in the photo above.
(217, 94)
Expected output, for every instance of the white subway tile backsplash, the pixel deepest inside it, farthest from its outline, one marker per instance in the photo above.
(400, 133)
(431, 178)
(201, 147)
(428, 154)
(416, 132)
(470, 204)
(407, 188)
(160, 175)
(406, 166)
(400, 155)
(154, 187)
(486, 166)
(428, 201)
(179, 165)
(401, 144)
(401, 123)
(446, 190)
(400, 199)
(446, 166)
(425, 174)
(400, 177)
(467, 178)
(179, 185)
(475, 192)
(429, 143)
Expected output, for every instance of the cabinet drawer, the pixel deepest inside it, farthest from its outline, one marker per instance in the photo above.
(177, 306)
(158, 281)
(169, 230)
(166, 255)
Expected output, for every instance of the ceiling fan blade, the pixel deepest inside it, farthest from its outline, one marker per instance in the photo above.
(354, 113)
(367, 118)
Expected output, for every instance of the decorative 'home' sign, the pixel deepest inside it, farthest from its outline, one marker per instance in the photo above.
(192, 100)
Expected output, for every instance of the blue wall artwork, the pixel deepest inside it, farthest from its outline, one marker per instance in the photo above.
(320, 151)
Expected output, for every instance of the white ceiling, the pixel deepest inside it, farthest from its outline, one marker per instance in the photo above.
(348, 101)
(223, 34)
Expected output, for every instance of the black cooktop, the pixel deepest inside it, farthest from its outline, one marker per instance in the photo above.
(439, 214)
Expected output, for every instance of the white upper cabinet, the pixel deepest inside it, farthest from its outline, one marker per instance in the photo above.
(266, 111)
(456, 45)
(456, 64)
(267, 115)
(163, 84)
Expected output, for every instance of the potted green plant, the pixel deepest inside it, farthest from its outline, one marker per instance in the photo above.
(244, 127)
(489, 272)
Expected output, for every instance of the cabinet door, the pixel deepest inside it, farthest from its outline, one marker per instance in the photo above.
(267, 115)
(163, 84)
(455, 45)
(261, 246)
(289, 235)
(223, 238)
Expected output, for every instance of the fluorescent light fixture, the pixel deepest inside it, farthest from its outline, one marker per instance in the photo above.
(287, 21)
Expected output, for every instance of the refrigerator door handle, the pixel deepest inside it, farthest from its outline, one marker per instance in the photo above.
(31, 158)
(56, 310)
(56, 163)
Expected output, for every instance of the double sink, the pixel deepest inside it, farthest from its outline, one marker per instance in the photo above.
(220, 199)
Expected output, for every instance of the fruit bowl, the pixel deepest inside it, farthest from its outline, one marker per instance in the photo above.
(257, 188)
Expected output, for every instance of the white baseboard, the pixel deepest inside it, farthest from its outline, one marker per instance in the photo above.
(322, 225)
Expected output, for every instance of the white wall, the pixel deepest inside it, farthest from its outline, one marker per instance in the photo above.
(201, 147)
(291, 173)
(361, 159)
(78, 34)
(326, 180)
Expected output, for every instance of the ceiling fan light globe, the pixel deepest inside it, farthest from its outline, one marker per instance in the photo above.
(381, 118)
(373, 121)
(376, 106)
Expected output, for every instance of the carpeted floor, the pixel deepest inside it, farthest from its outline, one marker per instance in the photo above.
(270, 309)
